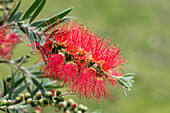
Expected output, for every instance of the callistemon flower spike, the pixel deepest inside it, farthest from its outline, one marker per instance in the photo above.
(84, 62)
(8, 41)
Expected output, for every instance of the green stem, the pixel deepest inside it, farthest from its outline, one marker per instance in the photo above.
(20, 66)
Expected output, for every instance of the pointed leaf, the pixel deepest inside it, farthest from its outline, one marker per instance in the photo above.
(19, 59)
(14, 11)
(32, 39)
(37, 89)
(1, 86)
(5, 87)
(122, 83)
(18, 82)
(35, 24)
(38, 85)
(129, 75)
(53, 19)
(12, 86)
(16, 16)
(35, 66)
(31, 9)
(37, 11)
(20, 90)
(29, 90)
(5, 97)
(98, 111)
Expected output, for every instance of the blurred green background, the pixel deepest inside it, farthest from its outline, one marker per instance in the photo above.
(141, 29)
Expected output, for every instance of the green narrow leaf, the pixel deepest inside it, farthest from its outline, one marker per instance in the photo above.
(28, 88)
(50, 83)
(37, 89)
(38, 10)
(1, 85)
(98, 111)
(17, 77)
(122, 83)
(16, 16)
(31, 9)
(55, 23)
(14, 11)
(38, 85)
(53, 19)
(5, 87)
(32, 40)
(129, 75)
(21, 103)
(5, 97)
(20, 90)
(35, 24)
(35, 66)
(19, 59)
(18, 82)
(12, 86)
(42, 41)
(35, 81)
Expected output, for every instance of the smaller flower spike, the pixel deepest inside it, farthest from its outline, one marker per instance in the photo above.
(81, 60)
(8, 41)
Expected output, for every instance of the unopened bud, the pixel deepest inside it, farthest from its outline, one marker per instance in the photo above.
(63, 104)
(18, 99)
(81, 106)
(45, 101)
(58, 92)
(70, 102)
(67, 111)
(78, 111)
(61, 99)
(21, 95)
(8, 78)
(8, 103)
(85, 108)
(4, 102)
(27, 95)
(38, 95)
(28, 55)
(33, 103)
(41, 101)
(74, 105)
(29, 101)
(49, 94)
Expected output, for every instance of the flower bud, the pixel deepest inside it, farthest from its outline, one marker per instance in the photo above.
(27, 95)
(78, 111)
(74, 105)
(70, 102)
(60, 99)
(8, 103)
(18, 99)
(28, 55)
(4, 102)
(21, 95)
(41, 101)
(63, 104)
(38, 95)
(33, 103)
(8, 78)
(67, 111)
(29, 101)
(49, 94)
(58, 92)
(84, 108)
(45, 101)
(81, 106)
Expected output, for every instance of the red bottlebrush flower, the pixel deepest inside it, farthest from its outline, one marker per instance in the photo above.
(8, 41)
(86, 63)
